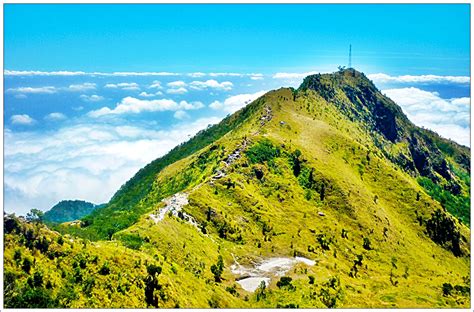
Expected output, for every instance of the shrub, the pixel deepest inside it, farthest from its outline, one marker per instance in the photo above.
(262, 151)
(443, 231)
(260, 292)
(218, 268)
(284, 281)
(366, 244)
(104, 270)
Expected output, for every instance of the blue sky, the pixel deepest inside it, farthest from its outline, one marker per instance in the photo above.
(94, 92)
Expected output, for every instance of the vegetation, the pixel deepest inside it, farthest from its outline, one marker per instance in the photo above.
(458, 205)
(331, 174)
(69, 210)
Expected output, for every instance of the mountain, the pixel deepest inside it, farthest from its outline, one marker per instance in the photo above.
(69, 210)
(321, 196)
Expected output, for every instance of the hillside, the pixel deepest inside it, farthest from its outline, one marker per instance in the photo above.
(69, 210)
(321, 196)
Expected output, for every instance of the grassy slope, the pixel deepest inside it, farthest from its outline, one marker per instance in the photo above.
(276, 216)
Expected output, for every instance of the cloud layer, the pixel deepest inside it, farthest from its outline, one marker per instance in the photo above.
(77, 161)
(131, 105)
(384, 78)
(448, 117)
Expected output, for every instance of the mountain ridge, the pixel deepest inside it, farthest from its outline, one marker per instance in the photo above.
(311, 173)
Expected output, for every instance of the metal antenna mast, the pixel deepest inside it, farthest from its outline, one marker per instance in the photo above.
(350, 56)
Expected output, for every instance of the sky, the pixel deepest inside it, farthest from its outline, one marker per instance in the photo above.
(95, 92)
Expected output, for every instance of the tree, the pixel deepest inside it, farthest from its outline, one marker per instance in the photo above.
(217, 269)
(35, 215)
(151, 283)
(260, 292)
(284, 281)
(26, 265)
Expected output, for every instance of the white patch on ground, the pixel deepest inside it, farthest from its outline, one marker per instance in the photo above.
(251, 284)
(174, 205)
(251, 277)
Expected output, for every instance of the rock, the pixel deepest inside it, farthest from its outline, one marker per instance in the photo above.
(321, 214)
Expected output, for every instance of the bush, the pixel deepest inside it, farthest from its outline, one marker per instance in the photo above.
(443, 231)
(263, 151)
(324, 241)
(366, 244)
(104, 270)
(284, 281)
(217, 269)
(447, 289)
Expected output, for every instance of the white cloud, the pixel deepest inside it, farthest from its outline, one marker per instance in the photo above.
(82, 87)
(130, 86)
(181, 115)
(293, 75)
(121, 74)
(131, 105)
(22, 119)
(146, 94)
(226, 74)
(211, 84)
(155, 85)
(91, 98)
(256, 76)
(448, 117)
(81, 73)
(384, 78)
(42, 73)
(176, 84)
(177, 90)
(43, 168)
(197, 75)
(55, 116)
(236, 102)
(34, 90)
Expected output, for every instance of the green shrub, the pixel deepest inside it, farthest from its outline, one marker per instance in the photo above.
(262, 151)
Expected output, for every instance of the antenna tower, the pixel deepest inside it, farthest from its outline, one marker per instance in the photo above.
(350, 56)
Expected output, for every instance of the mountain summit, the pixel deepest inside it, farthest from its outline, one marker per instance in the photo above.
(321, 196)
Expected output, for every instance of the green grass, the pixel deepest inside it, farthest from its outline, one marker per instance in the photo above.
(322, 185)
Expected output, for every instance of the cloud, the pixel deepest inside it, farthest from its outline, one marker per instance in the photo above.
(51, 90)
(448, 117)
(293, 75)
(236, 102)
(176, 84)
(82, 87)
(34, 90)
(256, 76)
(22, 119)
(146, 94)
(384, 78)
(42, 73)
(181, 115)
(155, 85)
(226, 74)
(81, 73)
(42, 168)
(197, 75)
(55, 116)
(177, 91)
(131, 105)
(91, 98)
(211, 84)
(130, 86)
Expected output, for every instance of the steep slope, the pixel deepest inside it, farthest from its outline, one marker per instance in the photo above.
(69, 210)
(327, 194)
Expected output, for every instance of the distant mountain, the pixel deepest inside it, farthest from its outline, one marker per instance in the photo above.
(69, 210)
(321, 196)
